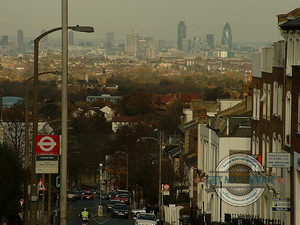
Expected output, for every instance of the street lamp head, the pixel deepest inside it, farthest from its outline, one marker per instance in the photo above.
(100, 164)
(86, 29)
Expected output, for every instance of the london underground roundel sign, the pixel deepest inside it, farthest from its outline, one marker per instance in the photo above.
(47, 145)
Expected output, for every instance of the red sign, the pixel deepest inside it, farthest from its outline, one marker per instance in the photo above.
(166, 187)
(41, 186)
(47, 145)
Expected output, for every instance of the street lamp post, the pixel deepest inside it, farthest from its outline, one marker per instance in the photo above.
(27, 173)
(159, 179)
(34, 205)
(100, 192)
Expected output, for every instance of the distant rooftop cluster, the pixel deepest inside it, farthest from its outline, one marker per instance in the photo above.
(137, 47)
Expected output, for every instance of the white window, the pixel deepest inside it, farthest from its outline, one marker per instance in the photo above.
(298, 113)
(254, 104)
(274, 143)
(288, 110)
(253, 145)
(264, 100)
(269, 102)
(275, 98)
(258, 105)
(263, 152)
(279, 109)
(257, 146)
(268, 150)
(279, 146)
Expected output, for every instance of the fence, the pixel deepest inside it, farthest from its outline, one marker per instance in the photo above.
(242, 219)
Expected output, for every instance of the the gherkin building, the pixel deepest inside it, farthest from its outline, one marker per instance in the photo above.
(227, 36)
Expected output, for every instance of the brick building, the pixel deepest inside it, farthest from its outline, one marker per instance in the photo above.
(275, 119)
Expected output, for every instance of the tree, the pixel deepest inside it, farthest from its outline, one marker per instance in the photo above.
(90, 135)
(10, 179)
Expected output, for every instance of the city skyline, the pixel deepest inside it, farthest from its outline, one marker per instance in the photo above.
(251, 21)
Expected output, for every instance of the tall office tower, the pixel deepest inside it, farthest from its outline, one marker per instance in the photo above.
(20, 38)
(210, 40)
(186, 45)
(110, 40)
(196, 44)
(5, 40)
(181, 34)
(132, 43)
(227, 36)
(71, 38)
(146, 46)
(161, 44)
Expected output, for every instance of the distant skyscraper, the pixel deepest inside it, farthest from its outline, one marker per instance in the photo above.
(71, 38)
(227, 36)
(110, 40)
(196, 44)
(5, 40)
(186, 45)
(181, 34)
(161, 44)
(132, 43)
(20, 38)
(210, 40)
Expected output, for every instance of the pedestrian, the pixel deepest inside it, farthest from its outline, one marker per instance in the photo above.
(148, 208)
(156, 210)
(21, 217)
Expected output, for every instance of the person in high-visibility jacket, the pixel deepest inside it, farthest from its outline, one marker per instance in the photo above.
(85, 214)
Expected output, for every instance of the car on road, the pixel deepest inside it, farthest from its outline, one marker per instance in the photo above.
(78, 194)
(124, 198)
(145, 219)
(88, 195)
(120, 210)
(71, 196)
(104, 196)
(135, 212)
(122, 192)
(111, 195)
(111, 205)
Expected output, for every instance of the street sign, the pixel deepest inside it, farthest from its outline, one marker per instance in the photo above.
(41, 186)
(279, 160)
(47, 151)
(46, 166)
(47, 145)
(281, 204)
(166, 189)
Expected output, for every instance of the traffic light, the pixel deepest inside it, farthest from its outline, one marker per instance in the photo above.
(58, 181)
(41, 194)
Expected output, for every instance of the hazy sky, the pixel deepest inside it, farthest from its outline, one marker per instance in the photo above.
(250, 20)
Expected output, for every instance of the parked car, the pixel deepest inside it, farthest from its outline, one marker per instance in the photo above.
(120, 210)
(88, 195)
(112, 194)
(145, 219)
(122, 192)
(77, 194)
(111, 204)
(71, 196)
(104, 196)
(135, 212)
(123, 198)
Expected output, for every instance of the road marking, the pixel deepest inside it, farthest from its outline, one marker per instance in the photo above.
(101, 222)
